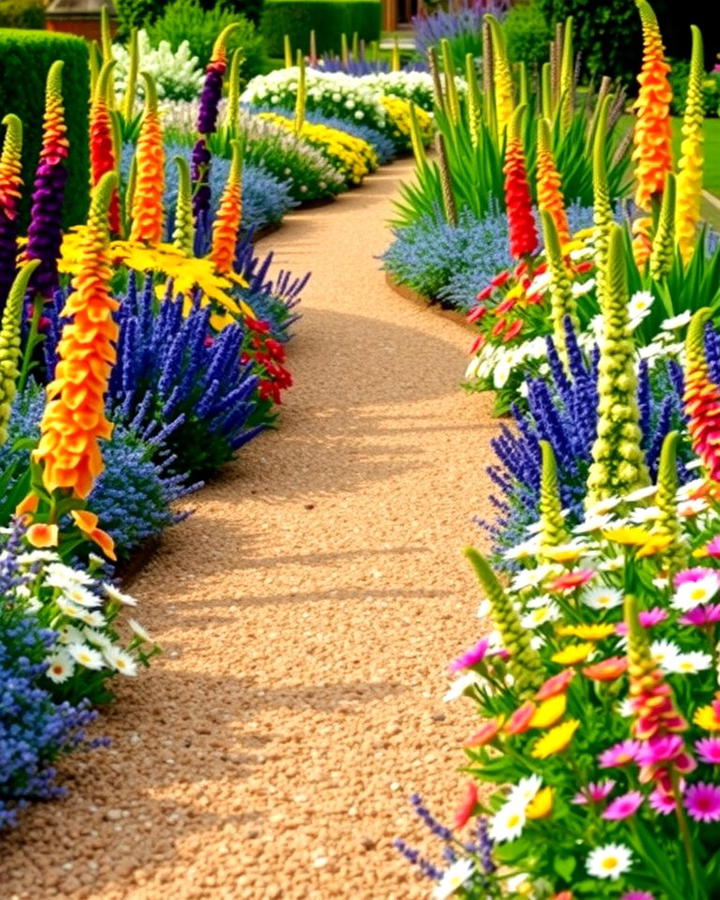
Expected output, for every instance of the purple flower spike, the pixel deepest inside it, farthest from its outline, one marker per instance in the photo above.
(210, 99)
(200, 179)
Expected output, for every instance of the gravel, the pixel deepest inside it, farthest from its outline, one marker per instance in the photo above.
(308, 610)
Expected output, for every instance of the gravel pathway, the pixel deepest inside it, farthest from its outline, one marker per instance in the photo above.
(307, 610)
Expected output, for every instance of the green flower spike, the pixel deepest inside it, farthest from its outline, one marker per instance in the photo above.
(602, 207)
(417, 138)
(553, 530)
(128, 105)
(449, 79)
(301, 98)
(524, 663)
(232, 109)
(567, 87)
(474, 109)
(184, 232)
(562, 301)
(663, 247)
(668, 522)
(10, 344)
(446, 181)
(618, 463)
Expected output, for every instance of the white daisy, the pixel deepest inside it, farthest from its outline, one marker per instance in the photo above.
(524, 791)
(693, 464)
(640, 304)
(59, 575)
(533, 577)
(114, 594)
(97, 638)
(609, 861)
(36, 556)
(527, 548)
(92, 617)
(81, 596)
(507, 823)
(688, 663)
(579, 288)
(548, 613)
(537, 602)
(677, 321)
(60, 666)
(537, 642)
(664, 653)
(86, 656)
(453, 878)
(689, 508)
(686, 491)
(602, 597)
(651, 351)
(460, 685)
(641, 493)
(611, 564)
(642, 514)
(138, 630)
(604, 506)
(693, 593)
(69, 634)
(69, 609)
(599, 522)
(121, 661)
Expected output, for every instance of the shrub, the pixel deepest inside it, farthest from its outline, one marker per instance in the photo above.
(25, 57)
(528, 33)
(22, 14)
(186, 20)
(679, 82)
(328, 18)
(136, 13)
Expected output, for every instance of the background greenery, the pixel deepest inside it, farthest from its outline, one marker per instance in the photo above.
(328, 18)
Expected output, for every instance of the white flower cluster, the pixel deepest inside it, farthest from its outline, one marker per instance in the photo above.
(177, 73)
(495, 363)
(333, 93)
(415, 86)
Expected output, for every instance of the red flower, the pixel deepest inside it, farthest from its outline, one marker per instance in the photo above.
(476, 314)
(467, 807)
(519, 721)
(501, 279)
(518, 201)
(485, 293)
(571, 580)
(487, 733)
(607, 669)
(514, 330)
(498, 327)
(555, 685)
(477, 343)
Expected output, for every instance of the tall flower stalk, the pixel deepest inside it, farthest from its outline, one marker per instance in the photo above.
(10, 344)
(668, 521)
(102, 144)
(663, 246)
(702, 397)
(184, 232)
(10, 194)
(690, 174)
(553, 530)
(148, 211)
(549, 183)
(226, 226)
(602, 207)
(502, 76)
(562, 301)
(518, 199)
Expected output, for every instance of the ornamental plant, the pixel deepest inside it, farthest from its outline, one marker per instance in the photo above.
(10, 195)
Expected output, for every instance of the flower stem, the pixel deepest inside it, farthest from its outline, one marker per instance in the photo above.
(686, 838)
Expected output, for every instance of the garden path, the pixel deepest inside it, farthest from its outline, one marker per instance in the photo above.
(307, 610)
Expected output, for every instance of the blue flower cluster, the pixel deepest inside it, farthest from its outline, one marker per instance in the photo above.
(452, 264)
(563, 411)
(34, 729)
(467, 18)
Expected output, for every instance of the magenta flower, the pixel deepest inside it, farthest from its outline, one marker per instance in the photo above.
(624, 807)
(659, 750)
(713, 548)
(637, 895)
(619, 755)
(648, 619)
(702, 615)
(595, 791)
(471, 657)
(702, 801)
(662, 802)
(696, 574)
(708, 749)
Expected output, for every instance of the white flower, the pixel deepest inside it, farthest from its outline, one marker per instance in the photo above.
(693, 464)
(582, 287)
(36, 556)
(664, 653)
(677, 321)
(137, 629)
(686, 491)
(598, 522)
(86, 656)
(527, 548)
(461, 684)
(602, 597)
(689, 508)
(484, 609)
(60, 666)
(532, 577)
(693, 593)
(625, 708)
(537, 642)
(604, 506)
(453, 878)
(639, 305)
(688, 663)
(524, 791)
(642, 514)
(97, 638)
(641, 493)
(69, 609)
(80, 596)
(541, 615)
(114, 594)
(59, 575)
(519, 884)
(502, 372)
(69, 634)
(611, 563)
(92, 618)
(507, 823)
(121, 661)
(651, 351)
(609, 861)
(540, 600)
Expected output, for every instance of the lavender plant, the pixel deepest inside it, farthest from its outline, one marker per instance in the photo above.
(461, 25)
(562, 409)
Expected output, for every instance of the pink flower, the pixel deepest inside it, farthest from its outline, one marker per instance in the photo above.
(624, 807)
(696, 574)
(595, 791)
(713, 548)
(702, 615)
(659, 750)
(619, 755)
(571, 580)
(471, 657)
(708, 749)
(648, 619)
(637, 895)
(662, 802)
(702, 802)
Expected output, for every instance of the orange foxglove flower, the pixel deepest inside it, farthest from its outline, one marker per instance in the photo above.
(10, 193)
(148, 215)
(102, 145)
(229, 216)
(549, 184)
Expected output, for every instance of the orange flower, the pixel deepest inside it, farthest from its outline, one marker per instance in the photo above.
(28, 505)
(519, 721)
(42, 535)
(549, 184)
(229, 216)
(148, 217)
(607, 669)
(487, 733)
(557, 684)
(571, 580)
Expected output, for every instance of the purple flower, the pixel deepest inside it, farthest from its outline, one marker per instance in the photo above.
(708, 614)
(702, 802)
(201, 179)
(210, 98)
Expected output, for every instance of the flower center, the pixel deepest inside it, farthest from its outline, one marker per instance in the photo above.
(610, 862)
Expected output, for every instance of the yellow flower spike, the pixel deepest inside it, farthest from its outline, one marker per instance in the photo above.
(555, 741)
(232, 110)
(690, 167)
(541, 805)
(148, 215)
(663, 245)
(219, 51)
(549, 712)
(504, 100)
(226, 226)
(566, 77)
(602, 206)
(573, 654)
(10, 344)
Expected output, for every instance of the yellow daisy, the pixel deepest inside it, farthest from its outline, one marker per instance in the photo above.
(573, 654)
(549, 712)
(555, 741)
(541, 805)
(587, 632)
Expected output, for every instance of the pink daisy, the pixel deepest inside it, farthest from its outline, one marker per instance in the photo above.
(624, 807)
(696, 574)
(471, 657)
(702, 802)
(713, 548)
(702, 615)
(648, 619)
(595, 791)
(708, 749)
(619, 755)
(662, 803)
(659, 750)
(637, 895)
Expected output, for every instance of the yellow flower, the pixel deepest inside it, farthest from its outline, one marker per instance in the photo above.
(656, 544)
(572, 654)
(628, 535)
(587, 632)
(549, 712)
(706, 717)
(555, 741)
(541, 805)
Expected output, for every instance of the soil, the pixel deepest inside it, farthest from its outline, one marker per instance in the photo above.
(307, 611)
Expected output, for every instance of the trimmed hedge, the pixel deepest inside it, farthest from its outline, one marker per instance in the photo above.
(329, 18)
(25, 57)
(22, 14)
(139, 13)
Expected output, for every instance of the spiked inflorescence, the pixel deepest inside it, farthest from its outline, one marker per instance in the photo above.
(102, 145)
(702, 397)
(562, 301)
(668, 521)
(226, 226)
(10, 344)
(10, 193)
(549, 183)
(518, 200)
(184, 232)
(618, 463)
(501, 76)
(551, 516)
(45, 229)
(690, 175)
(663, 246)
(602, 207)
(148, 213)
(524, 663)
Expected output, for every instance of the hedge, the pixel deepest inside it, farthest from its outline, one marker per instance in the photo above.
(329, 19)
(138, 13)
(22, 14)
(25, 57)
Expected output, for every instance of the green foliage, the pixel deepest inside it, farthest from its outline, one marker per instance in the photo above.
(186, 20)
(25, 57)
(527, 33)
(328, 18)
(22, 14)
(138, 13)
(679, 83)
